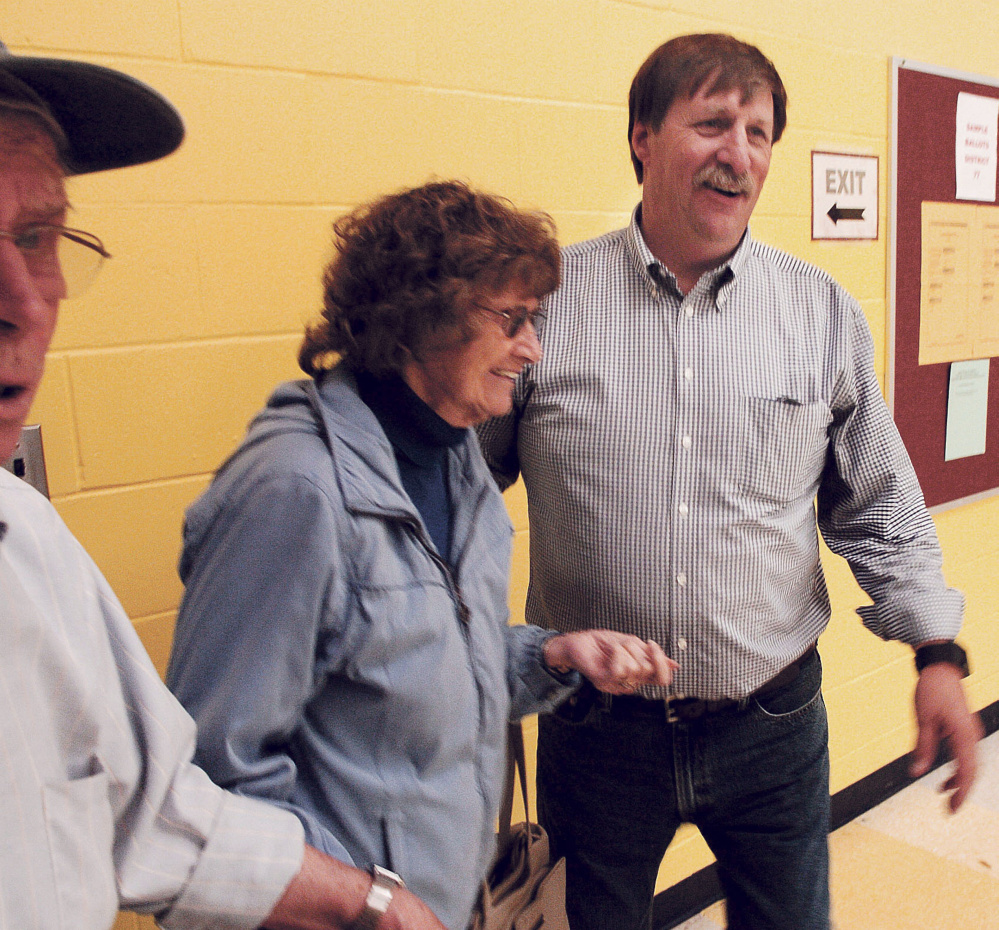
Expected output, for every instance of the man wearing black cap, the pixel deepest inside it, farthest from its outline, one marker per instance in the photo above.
(100, 806)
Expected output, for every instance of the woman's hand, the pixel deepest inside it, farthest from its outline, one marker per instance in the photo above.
(617, 663)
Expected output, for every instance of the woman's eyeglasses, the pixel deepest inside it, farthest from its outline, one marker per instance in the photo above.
(514, 318)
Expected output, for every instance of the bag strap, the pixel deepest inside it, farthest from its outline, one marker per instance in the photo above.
(516, 765)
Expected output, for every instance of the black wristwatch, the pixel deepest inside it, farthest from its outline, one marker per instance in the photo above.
(951, 653)
(383, 886)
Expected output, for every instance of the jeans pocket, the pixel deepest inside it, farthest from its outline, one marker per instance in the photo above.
(797, 696)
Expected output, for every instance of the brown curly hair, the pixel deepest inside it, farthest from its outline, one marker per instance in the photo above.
(409, 266)
(686, 64)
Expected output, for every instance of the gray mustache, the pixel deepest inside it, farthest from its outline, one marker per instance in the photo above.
(719, 176)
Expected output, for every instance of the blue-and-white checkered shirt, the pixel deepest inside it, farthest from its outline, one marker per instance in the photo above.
(675, 450)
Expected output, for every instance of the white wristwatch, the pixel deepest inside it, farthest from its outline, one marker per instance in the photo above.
(383, 886)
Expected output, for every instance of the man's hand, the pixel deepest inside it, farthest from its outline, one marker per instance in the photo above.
(942, 714)
(617, 663)
(329, 895)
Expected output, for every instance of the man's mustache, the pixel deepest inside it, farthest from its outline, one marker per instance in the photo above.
(724, 178)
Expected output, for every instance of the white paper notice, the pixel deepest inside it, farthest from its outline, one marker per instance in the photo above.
(975, 147)
(967, 409)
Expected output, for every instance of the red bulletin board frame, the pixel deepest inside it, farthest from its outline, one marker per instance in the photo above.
(924, 120)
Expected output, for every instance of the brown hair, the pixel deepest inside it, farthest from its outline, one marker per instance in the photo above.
(409, 266)
(686, 64)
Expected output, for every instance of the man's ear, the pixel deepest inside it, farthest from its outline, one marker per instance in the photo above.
(640, 141)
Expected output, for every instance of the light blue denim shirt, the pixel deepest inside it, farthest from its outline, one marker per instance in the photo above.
(101, 807)
(335, 666)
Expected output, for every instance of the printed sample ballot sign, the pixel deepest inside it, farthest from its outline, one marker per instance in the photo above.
(959, 282)
(975, 147)
(967, 409)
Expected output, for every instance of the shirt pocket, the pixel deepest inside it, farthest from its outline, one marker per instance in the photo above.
(784, 445)
(80, 829)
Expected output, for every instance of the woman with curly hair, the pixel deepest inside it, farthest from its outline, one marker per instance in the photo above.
(343, 640)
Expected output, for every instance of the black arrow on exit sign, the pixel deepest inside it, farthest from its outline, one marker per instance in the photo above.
(845, 213)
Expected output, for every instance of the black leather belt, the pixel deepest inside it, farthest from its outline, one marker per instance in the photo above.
(673, 710)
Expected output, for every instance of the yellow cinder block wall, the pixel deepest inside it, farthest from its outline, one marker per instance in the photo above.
(295, 112)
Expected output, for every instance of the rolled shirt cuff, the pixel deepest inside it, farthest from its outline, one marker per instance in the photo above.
(253, 853)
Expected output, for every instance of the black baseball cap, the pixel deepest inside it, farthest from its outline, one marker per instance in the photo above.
(108, 119)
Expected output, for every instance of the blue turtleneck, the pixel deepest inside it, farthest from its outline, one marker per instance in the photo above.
(420, 440)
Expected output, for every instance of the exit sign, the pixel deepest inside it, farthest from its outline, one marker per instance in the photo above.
(844, 196)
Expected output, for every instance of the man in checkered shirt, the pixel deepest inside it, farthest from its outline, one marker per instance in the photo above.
(704, 403)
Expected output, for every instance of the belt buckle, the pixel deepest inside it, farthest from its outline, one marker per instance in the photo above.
(671, 716)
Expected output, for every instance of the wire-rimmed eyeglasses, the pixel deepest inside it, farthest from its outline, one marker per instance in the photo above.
(514, 318)
(53, 252)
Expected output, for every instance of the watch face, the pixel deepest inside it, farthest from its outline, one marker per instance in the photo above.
(383, 884)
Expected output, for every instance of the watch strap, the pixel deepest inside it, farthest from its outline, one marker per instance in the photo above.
(951, 653)
(383, 886)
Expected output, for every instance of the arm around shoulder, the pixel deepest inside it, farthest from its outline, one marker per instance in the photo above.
(498, 441)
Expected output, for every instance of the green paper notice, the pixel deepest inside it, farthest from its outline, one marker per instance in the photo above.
(967, 409)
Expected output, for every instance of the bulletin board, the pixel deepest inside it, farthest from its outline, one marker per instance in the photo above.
(925, 105)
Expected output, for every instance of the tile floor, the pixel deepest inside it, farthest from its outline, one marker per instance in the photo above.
(910, 865)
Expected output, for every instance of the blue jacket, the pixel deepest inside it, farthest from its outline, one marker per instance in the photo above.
(332, 661)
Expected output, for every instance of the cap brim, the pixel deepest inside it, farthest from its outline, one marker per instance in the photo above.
(110, 119)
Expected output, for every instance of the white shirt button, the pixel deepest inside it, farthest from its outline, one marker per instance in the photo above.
(686, 442)
(690, 309)
(681, 579)
(681, 644)
(684, 510)
(688, 373)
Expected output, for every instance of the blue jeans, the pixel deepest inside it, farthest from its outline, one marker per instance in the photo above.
(612, 792)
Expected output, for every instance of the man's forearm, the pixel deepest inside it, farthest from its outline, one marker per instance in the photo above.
(329, 895)
(325, 893)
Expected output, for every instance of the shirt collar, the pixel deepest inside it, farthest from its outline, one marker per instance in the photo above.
(657, 275)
